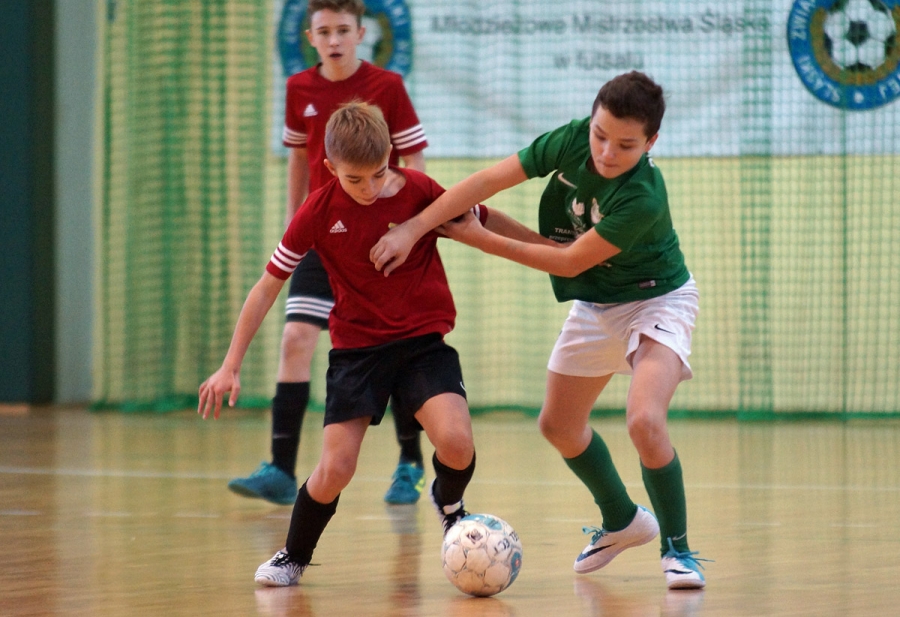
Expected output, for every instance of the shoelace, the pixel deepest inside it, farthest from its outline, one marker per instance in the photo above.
(686, 557)
(281, 559)
(598, 532)
(454, 517)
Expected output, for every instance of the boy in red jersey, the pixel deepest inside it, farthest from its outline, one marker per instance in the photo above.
(312, 95)
(387, 333)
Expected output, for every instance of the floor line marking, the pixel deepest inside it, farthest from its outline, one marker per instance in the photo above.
(118, 473)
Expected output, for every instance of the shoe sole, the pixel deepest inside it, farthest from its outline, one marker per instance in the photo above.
(267, 582)
(402, 502)
(246, 492)
(687, 584)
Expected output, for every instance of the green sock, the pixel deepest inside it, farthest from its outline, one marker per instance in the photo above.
(665, 486)
(595, 468)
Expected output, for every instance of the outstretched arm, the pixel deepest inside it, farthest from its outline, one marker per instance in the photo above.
(567, 260)
(393, 248)
(504, 225)
(227, 378)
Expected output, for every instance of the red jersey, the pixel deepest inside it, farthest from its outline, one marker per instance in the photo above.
(369, 308)
(311, 99)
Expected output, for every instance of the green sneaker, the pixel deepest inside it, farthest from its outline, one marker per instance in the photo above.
(407, 484)
(267, 482)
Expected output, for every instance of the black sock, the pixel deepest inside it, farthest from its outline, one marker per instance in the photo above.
(288, 409)
(308, 521)
(411, 450)
(450, 484)
(409, 438)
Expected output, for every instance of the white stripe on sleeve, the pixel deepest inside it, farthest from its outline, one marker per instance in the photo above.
(408, 138)
(285, 260)
(293, 138)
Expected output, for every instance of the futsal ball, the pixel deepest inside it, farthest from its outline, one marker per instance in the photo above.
(482, 555)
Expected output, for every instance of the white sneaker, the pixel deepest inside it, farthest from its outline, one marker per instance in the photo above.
(280, 571)
(682, 569)
(605, 545)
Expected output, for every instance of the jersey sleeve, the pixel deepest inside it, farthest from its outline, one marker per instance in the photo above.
(481, 211)
(295, 243)
(546, 153)
(294, 133)
(407, 133)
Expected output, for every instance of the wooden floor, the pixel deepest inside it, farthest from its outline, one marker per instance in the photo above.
(115, 514)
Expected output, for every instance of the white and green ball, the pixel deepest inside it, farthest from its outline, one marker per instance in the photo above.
(482, 555)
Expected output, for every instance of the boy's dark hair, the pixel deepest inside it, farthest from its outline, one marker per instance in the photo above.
(357, 134)
(354, 7)
(633, 95)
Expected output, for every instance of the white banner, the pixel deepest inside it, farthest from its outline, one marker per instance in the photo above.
(799, 77)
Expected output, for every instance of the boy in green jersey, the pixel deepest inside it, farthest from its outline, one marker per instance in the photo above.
(608, 244)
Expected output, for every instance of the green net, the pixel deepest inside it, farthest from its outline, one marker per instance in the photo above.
(779, 148)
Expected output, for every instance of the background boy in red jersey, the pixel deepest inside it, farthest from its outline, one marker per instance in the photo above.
(387, 333)
(312, 95)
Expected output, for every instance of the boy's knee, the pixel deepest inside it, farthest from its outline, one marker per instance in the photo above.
(643, 429)
(299, 338)
(552, 429)
(337, 472)
(299, 332)
(456, 453)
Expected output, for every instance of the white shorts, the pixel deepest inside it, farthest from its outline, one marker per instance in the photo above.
(600, 339)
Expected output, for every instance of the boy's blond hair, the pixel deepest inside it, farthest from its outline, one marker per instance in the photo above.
(357, 134)
(354, 7)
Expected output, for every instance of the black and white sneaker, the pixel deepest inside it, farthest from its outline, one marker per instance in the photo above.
(449, 514)
(280, 571)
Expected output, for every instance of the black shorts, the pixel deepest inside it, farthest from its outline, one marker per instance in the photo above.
(360, 381)
(310, 298)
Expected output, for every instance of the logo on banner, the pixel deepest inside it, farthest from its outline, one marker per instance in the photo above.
(387, 42)
(847, 52)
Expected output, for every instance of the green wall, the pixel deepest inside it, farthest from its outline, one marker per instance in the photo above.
(26, 220)
(48, 55)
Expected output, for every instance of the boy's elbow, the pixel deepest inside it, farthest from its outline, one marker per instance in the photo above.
(570, 268)
(569, 272)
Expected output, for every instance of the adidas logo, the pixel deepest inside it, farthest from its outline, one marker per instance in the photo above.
(310, 111)
(338, 228)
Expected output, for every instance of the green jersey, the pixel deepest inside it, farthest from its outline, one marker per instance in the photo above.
(631, 212)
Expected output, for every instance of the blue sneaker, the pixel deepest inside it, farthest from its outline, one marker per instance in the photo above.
(407, 484)
(267, 482)
(682, 569)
